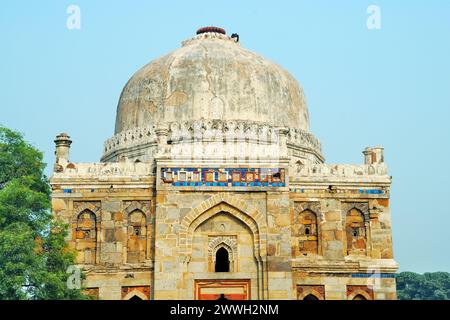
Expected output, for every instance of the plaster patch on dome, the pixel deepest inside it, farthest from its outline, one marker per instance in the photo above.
(217, 108)
(176, 99)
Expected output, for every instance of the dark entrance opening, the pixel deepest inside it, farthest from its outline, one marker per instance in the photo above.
(310, 297)
(135, 298)
(222, 261)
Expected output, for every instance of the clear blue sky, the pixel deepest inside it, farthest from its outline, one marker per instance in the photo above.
(364, 87)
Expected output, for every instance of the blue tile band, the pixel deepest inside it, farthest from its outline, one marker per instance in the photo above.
(224, 177)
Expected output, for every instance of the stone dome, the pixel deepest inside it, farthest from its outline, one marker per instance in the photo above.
(212, 77)
(212, 91)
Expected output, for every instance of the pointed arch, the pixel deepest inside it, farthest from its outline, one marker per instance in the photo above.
(222, 240)
(224, 203)
(247, 214)
(222, 261)
(93, 206)
(308, 232)
(86, 237)
(86, 225)
(355, 228)
(135, 293)
(227, 242)
(308, 292)
(310, 297)
(131, 206)
(137, 236)
(359, 295)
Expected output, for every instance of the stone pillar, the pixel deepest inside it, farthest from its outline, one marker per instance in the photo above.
(283, 151)
(373, 155)
(111, 234)
(62, 151)
(279, 249)
(169, 262)
(331, 228)
(162, 132)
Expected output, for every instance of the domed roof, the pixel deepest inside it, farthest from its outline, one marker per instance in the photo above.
(212, 77)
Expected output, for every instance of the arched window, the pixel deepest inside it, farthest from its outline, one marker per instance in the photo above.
(308, 233)
(222, 260)
(310, 297)
(355, 232)
(86, 237)
(137, 237)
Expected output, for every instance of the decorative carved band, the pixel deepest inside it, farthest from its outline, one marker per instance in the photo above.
(339, 170)
(212, 130)
(216, 242)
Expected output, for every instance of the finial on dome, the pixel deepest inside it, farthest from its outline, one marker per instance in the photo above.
(211, 29)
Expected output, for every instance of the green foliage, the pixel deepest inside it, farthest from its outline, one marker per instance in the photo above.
(427, 286)
(33, 254)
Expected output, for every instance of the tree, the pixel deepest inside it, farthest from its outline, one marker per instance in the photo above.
(33, 253)
(427, 286)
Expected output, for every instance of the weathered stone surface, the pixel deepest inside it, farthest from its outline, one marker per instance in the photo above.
(111, 205)
(133, 227)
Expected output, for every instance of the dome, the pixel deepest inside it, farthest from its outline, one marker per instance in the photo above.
(213, 92)
(212, 77)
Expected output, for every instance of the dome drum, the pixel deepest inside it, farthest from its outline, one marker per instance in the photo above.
(213, 139)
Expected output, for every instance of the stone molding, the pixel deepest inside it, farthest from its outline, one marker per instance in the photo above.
(338, 170)
(216, 242)
(225, 132)
(104, 169)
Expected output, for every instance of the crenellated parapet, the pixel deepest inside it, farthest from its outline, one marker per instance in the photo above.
(130, 138)
(215, 139)
(340, 170)
(103, 170)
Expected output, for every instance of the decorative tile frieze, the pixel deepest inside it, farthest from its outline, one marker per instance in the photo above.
(224, 177)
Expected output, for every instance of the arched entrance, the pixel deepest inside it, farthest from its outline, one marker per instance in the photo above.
(310, 297)
(217, 225)
(222, 260)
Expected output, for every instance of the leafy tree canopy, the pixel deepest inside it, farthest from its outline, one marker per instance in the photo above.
(427, 286)
(33, 254)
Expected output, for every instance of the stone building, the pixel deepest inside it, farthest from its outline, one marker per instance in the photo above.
(213, 185)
